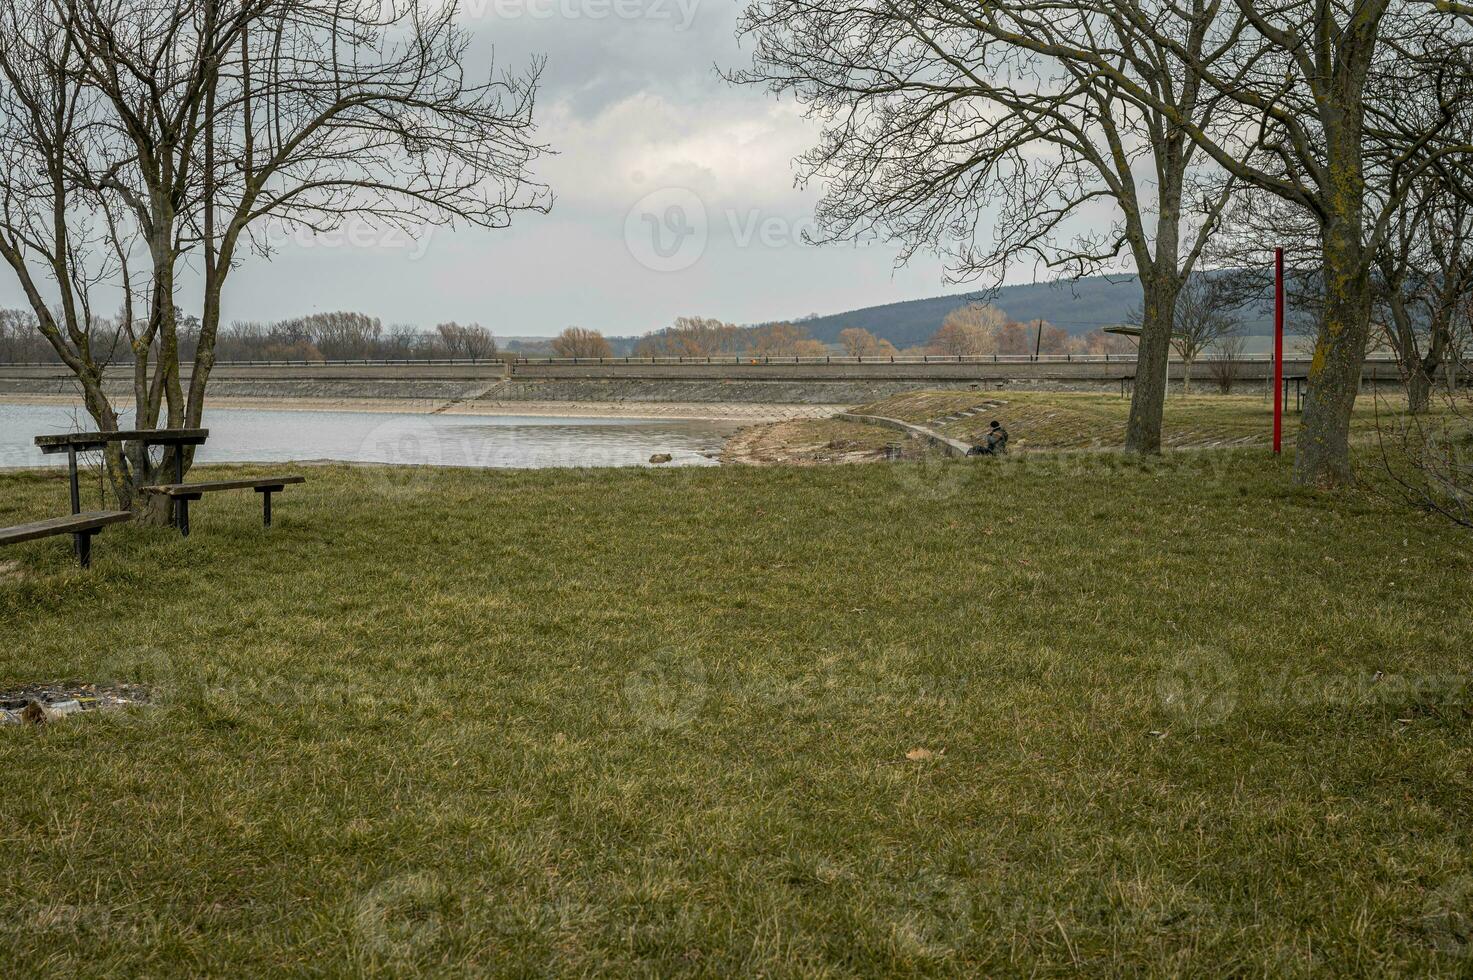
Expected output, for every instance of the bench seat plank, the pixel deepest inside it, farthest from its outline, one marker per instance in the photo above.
(254, 483)
(71, 524)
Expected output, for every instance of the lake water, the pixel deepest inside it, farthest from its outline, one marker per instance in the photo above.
(261, 436)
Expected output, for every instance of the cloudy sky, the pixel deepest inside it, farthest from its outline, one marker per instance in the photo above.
(674, 196)
(648, 138)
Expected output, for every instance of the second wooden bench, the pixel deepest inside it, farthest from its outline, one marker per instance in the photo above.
(183, 493)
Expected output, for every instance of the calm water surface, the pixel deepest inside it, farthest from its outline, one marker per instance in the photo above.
(259, 436)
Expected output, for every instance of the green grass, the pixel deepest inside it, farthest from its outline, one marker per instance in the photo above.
(647, 722)
(1063, 420)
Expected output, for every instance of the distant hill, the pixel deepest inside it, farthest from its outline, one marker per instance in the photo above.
(1078, 307)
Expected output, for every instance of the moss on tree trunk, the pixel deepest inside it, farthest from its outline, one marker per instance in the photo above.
(1143, 430)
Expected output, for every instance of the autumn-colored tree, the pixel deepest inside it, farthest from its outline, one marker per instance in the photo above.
(692, 336)
(466, 340)
(858, 342)
(968, 330)
(581, 342)
(783, 340)
(1099, 342)
(1013, 338)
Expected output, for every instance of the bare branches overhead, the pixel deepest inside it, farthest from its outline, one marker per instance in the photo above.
(140, 134)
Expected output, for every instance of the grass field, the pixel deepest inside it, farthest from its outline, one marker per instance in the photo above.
(923, 718)
(1061, 420)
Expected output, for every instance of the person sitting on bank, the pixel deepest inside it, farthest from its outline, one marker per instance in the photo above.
(994, 444)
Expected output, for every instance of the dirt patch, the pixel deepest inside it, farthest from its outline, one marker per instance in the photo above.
(818, 442)
(11, 571)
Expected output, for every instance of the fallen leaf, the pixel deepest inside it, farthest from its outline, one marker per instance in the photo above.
(920, 755)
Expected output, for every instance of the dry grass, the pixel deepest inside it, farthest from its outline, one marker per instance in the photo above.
(1060, 420)
(1181, 721)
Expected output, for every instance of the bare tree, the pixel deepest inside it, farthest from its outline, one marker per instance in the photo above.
(469, 340)
(1204, 316)
(1424, 278)
(581, 342)
(1097, 341)
(1428, 458)
(941, 115)
(1228, 354)
(969, 330)
(1313, 110)
(19, 338)
(783, 340)
(141, 134)
(693, 336)
(858, 342)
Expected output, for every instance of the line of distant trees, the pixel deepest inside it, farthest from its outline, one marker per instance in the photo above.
(977, 329)
(316, 337)
(985, 329)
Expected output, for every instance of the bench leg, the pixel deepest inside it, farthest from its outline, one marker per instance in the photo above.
(179, 515)
(266, 493)
(83, 545)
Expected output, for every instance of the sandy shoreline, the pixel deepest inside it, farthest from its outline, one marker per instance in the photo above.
(693, 411)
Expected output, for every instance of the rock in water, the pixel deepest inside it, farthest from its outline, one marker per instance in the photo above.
(661, 458)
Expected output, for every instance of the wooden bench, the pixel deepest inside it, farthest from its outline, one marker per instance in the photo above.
(73, 443)
(183, 493)
(80, 526)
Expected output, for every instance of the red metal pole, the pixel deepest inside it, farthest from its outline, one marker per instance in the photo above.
(1278, 350)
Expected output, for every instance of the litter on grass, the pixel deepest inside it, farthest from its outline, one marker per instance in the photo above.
(42, 704)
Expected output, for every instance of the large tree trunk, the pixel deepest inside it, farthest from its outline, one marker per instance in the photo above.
(1143, 430)
(1323, 455)
(1419, 390)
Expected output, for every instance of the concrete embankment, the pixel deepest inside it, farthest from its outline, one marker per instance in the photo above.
(468, 388)
(948, 445)
(489, 386)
